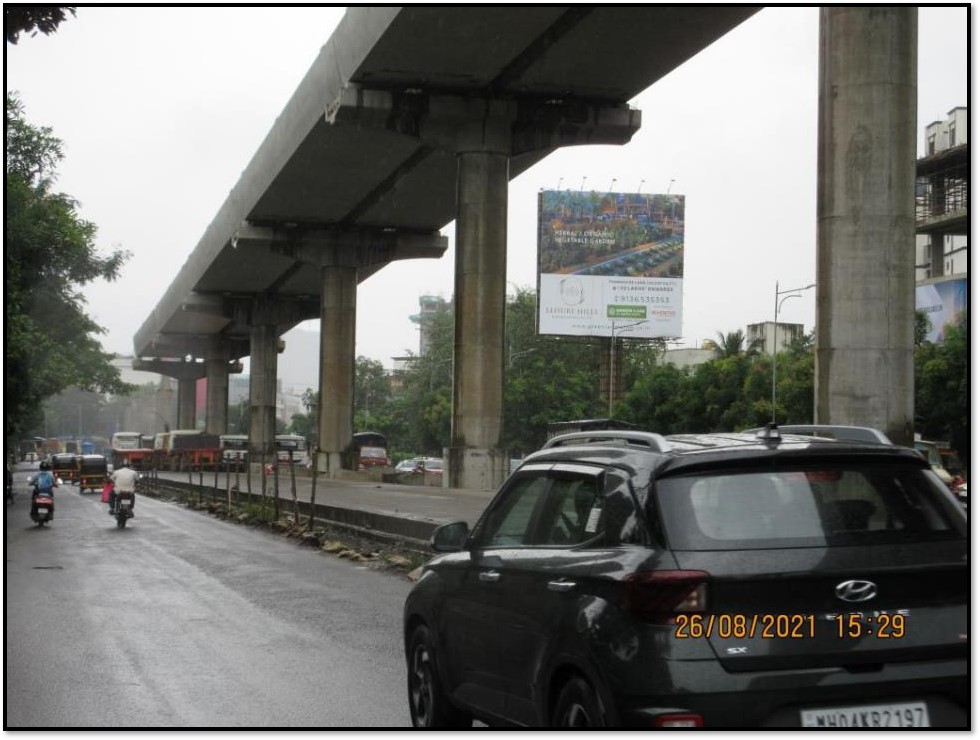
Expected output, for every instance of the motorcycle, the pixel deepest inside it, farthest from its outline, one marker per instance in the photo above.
(42, 508)
(122, 508)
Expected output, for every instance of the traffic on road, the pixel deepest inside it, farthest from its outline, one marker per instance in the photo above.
(617, 578)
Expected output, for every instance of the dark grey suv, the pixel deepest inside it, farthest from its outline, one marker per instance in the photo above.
(623, 578)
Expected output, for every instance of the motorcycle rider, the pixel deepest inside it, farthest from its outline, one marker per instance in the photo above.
(44, 482)
(123, 481)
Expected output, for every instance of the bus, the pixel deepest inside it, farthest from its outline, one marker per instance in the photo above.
(127, 448)
(292, 447)
(234, 450)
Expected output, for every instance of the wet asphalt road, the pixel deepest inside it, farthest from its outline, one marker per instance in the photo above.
(181, 620)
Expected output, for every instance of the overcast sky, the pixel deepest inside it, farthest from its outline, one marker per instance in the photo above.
(160, 109)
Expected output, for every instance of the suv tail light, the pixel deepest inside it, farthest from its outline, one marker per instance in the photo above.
(679, 720)
(658, 595)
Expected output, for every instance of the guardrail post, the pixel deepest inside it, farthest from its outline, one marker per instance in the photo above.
(316, 458)
(292, 477)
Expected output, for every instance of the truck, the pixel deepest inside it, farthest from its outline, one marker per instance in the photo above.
(130, 449)
(186, 449)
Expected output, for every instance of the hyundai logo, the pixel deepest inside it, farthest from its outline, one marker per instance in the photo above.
(856, 590)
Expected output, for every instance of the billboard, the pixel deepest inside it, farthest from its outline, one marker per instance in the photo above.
(941, 301)
(610, 262)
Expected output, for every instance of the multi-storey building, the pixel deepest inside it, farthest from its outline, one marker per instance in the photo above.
(942, 222)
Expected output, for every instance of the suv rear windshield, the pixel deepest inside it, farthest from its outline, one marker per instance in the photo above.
(833, 506)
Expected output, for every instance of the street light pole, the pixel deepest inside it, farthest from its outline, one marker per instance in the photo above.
(612, 364)
(793, 293)
(612, 357)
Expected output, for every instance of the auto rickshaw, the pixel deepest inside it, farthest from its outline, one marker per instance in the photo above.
(93, 471)
(64, 466)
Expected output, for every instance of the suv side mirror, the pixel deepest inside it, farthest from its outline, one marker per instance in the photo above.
(450, 537)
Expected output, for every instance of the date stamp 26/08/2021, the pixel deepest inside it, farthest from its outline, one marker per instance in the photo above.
(852, 625)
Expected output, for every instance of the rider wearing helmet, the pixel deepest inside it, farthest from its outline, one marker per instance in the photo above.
(44, 482)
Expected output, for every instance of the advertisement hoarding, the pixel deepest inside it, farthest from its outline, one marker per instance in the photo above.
(941, 301)
(610, 262)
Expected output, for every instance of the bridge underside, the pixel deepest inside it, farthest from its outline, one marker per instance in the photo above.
(411, 118)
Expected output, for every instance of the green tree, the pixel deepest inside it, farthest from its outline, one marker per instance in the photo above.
(238, 417)
(657, 400)
(302, 425)
(305, 425)
(413, 408)
(371, 390)
(732, 344)
(794, 381)
(922, 327)
(942, 388)
(74, 413)
(19, 18)
(49, 254)
(546, 379)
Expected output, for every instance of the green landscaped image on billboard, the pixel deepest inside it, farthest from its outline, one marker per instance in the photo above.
(604, 257)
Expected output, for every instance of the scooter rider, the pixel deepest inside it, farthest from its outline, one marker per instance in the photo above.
(123, 481)
(44, 483)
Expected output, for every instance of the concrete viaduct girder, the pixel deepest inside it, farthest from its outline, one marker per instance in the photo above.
(412, 117)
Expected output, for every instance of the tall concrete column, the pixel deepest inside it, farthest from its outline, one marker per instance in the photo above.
(483, 133)
(186, 403)
(338, 322)
(866, 219)
(163, 412)
(262, 388)
(216, 413)
(475, 461)
(186, 372)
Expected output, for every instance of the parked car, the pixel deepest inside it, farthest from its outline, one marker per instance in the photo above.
(407, 466)
(420, 465)
(623, 578)
(429, 465)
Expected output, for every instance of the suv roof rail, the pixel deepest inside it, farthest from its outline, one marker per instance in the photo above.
(842, 432)
(650, 440)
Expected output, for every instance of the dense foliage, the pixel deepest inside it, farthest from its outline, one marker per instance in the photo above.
(20, 18)
(50, 342)
(549, 379)
(942, 389)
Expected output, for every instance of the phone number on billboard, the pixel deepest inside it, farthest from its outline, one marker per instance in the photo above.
(650, 299)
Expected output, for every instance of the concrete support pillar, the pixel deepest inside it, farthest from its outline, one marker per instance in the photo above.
(163, 413)
(186, 402)
(480, 299)
(216, 414)
(483, 133)
(262, 389)
(338, 322)
(866, 219)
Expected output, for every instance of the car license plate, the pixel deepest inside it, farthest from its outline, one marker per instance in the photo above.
(42, 509)
(910, 714)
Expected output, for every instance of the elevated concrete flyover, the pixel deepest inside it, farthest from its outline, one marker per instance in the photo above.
(410, 118)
